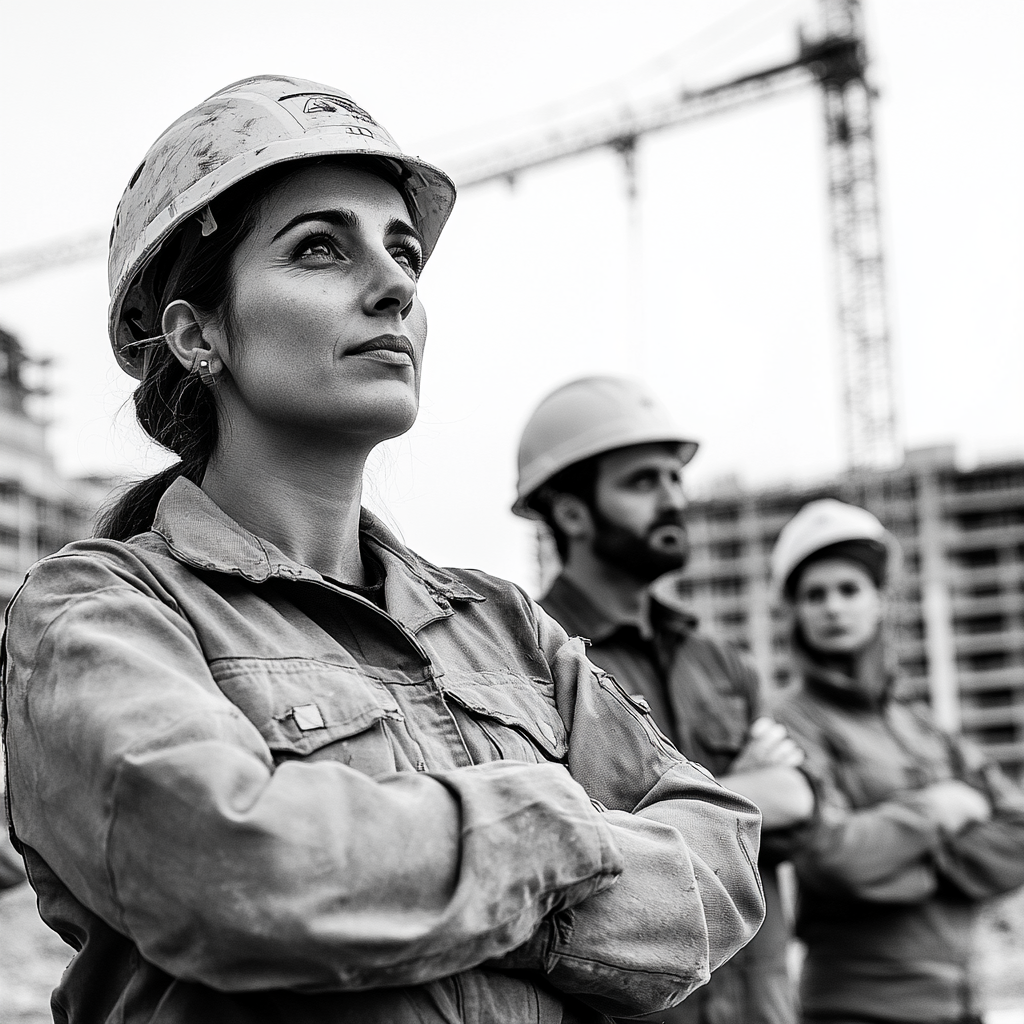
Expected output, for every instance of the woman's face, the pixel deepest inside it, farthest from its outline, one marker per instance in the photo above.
(838, 606)
(324, 332)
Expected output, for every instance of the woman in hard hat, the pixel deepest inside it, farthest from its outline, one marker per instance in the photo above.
(267, 764)
(915, 828)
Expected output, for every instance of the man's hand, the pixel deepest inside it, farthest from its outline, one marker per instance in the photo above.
(764, 771)
(768, 746)
(954, 805)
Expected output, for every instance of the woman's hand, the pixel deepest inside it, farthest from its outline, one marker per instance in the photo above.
(768, 746)
(954, 805)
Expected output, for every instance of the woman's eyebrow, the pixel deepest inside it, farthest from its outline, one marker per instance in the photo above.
(348, 220)
(340, 218)
(400, 227)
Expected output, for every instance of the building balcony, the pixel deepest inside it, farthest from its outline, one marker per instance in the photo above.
(956, 502)
(986, 718)
(1007, 575)
(1003, 603)
(978, 643)
(956, 538)
(1008, 678)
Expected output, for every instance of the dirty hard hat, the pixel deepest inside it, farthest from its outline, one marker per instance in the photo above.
(585, 418)
(831, 528)
(244, 128)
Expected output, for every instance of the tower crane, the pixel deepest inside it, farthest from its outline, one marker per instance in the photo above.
(835, 59)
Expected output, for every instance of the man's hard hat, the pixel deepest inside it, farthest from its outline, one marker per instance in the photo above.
(589, 417)
(821, 524)
(244, 128)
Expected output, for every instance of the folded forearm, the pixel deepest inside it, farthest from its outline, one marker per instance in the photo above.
(783, 795)
(688, 898)
(987, 858)
(318, 876)
(881, 852)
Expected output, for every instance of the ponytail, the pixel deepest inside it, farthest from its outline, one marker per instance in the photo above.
(135, 508)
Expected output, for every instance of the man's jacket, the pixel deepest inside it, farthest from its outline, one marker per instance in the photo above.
(887, 898)
(247, 794)
(704, 695)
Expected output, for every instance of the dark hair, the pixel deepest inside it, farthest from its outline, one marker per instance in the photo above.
(580, 480)
(871, 555)
(172, 405)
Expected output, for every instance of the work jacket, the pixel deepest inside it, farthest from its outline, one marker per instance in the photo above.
(704, 695)
(887, 898)
(247, 794)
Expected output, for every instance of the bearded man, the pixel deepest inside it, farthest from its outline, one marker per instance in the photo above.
(601, 463)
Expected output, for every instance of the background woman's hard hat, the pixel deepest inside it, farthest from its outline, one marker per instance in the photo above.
(820, 524)
(244, 128)
(589, 417)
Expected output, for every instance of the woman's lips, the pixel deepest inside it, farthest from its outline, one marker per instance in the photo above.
(394, 349)
(386, 355)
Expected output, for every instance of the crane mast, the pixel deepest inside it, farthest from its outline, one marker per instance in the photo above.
(836, 60)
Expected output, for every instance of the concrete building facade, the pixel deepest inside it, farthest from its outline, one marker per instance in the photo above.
(40, 511)
(958, 599)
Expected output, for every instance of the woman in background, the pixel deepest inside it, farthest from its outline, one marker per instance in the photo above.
(265, 763)
(915, 830)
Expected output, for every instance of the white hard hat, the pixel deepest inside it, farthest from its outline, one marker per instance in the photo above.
(244, 128)
(820, 524)
(589, 417)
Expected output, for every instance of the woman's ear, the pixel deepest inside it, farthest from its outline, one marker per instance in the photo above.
(191, 336)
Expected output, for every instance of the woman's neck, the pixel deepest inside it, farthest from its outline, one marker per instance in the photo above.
(864, 674)
(303, 498)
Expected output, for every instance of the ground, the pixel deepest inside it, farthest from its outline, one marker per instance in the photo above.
(32, 958)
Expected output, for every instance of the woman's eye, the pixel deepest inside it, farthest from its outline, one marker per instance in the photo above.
(409, 258)
(317, 249)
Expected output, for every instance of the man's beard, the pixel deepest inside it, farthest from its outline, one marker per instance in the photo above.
(640, 556)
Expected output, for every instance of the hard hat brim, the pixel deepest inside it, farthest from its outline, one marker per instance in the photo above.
(820, 525)
(546, 469)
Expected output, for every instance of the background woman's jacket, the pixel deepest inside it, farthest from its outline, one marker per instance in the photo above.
(887, 899)
(247, 794)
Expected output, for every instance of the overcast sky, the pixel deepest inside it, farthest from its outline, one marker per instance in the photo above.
(715, 286)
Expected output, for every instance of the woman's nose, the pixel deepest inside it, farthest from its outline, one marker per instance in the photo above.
(390, 290)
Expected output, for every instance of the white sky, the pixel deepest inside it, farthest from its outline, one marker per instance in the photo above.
(721, 299)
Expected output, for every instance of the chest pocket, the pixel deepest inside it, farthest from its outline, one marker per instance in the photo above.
(314, 710)
(505, 717)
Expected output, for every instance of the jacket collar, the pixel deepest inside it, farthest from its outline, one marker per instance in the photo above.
(663, 610)
(199, 534)
(865, 681)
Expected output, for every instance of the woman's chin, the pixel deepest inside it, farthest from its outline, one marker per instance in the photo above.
(842, 645)
(373, 413)
(389, 417)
